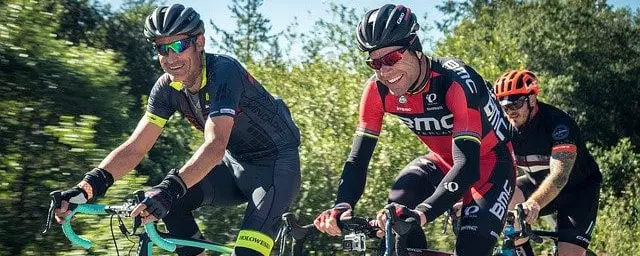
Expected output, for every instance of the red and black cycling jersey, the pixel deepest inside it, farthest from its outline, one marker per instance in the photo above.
(262, 122)
(455, 105)
(552, 130)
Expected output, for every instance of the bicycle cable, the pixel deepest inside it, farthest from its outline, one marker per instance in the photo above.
(113, 235)
(123, 230)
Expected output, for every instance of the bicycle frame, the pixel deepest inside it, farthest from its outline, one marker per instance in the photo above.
(148, 238)
(358, 225)
(508, 243)
(162, 240)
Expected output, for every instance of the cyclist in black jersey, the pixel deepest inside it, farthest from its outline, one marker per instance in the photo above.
(449, 107)
(250, 149)
(560, 174)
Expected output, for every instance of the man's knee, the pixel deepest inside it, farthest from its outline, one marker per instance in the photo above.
(569, 249)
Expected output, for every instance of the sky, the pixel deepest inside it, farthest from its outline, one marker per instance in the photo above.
(281, 13)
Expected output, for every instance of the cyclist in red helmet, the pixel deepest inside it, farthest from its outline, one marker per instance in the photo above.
(560, 174)
(450, 108)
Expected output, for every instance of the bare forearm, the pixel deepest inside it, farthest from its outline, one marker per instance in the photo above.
(121, 160)
(560, 167)
(203, 160)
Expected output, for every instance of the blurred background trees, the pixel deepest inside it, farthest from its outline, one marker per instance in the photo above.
(75, 75)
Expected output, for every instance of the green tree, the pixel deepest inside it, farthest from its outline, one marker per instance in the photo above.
(251, 38)
(51, 93)
(82, 22)
(587, 45)
(617, 227)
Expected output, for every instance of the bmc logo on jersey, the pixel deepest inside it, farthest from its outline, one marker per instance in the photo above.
(495, 118)
(500, 207)
(428, 124)
(462, 72)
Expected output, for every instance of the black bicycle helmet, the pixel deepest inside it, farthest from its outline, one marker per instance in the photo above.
(172, 20)
(390, 25)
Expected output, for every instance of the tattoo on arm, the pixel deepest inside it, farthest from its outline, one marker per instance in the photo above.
(560, 168)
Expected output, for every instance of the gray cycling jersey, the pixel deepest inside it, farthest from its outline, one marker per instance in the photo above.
(262, 122)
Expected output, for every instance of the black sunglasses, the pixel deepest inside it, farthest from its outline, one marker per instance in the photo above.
(517, 104)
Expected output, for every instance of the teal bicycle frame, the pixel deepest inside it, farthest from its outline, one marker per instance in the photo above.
(162, 240)
(148, 238)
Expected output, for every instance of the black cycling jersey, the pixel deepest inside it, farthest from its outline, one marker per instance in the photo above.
(262, 123)
(261, 165)
(552, 129)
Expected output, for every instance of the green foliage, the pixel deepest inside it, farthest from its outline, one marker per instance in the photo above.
(66, 104)
(617, 228)
(51, 92)
(251, 37)
(585, 49)
(82, 23)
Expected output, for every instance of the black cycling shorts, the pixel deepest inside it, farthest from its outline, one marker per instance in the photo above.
(269, 186)
(577, 210)
(484, 205)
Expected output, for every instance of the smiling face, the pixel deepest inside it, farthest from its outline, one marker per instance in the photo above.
(401, 75)
(185, 66)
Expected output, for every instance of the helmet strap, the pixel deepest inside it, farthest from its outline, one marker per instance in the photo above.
(526, 122)
(419, 84)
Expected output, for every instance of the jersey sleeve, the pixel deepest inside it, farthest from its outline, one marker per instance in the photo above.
(354, 172)
(371, 111)
(465, 108)
(564, 135)
(229, 82)
(159, 108)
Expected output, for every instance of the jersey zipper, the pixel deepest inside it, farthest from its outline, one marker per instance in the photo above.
(195, 109)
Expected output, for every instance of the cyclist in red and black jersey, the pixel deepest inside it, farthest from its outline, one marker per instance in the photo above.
(560, 174)
(449, 107)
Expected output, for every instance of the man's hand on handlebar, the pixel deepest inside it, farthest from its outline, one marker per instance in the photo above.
(74, 195)
(327, 221)
(402, 212)
(531, 210)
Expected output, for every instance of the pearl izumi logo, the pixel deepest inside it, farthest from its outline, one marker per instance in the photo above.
(451, 186)
(431, 98)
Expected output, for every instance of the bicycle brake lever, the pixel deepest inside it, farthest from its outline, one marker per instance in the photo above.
(534, 237)
(446, 220)
(137, 221)
(56, 201)
(525, 227)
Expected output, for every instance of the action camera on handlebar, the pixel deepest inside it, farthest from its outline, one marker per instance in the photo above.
(354, 242)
